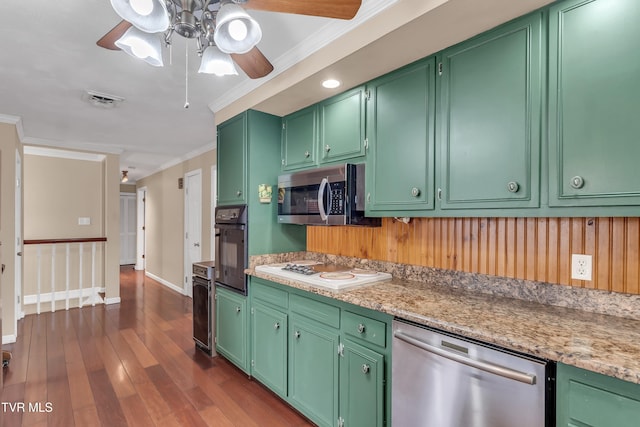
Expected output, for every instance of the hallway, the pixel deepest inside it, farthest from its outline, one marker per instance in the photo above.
(132, 363)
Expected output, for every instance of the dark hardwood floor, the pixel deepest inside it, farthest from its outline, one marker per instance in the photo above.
(132, 363)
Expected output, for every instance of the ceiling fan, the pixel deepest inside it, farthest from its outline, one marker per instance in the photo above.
(224, 32)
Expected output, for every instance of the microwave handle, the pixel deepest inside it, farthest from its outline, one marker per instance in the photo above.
(323, 186)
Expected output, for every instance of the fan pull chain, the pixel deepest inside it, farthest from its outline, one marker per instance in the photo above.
(186, 78)
(170, 54)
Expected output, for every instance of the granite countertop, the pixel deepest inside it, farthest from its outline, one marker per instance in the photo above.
(598, 342)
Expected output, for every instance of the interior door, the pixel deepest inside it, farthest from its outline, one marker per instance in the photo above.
(140, 228)
(192, 224)
(127, 228)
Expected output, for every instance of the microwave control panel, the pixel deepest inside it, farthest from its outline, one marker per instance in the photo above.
(337, 199)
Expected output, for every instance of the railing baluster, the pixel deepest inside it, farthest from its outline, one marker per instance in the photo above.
(80, 279)
(53, 278)
(38, 281)
(67, 280)
(93, 273)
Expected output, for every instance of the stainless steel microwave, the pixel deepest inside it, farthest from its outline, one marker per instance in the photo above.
(331, 195)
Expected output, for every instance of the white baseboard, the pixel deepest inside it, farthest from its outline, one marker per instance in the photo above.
(114, 300)
(165, 282)
(62, 295)
(8, 339)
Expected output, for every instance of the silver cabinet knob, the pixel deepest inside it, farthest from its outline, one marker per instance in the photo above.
(365, 368)
(276, 326)
(415, 192)
(577, 182)
(307, 153)
(237, 309)
(327, 148)
(513, 187)
(361, 328)
(296, 334)
(238, 193)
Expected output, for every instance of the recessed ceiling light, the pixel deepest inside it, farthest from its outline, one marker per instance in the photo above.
(331, 83)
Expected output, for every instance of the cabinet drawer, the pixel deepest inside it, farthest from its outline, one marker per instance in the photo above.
(316, 310)
(365, 328)
(269, 294)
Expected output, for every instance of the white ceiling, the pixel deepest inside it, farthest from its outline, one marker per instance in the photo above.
(48, 59)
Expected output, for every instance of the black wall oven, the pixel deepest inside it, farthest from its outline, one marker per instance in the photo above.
(231, 251)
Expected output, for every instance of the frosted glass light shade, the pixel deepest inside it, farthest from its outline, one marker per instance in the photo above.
(236, 31)
(137, 12)
(216, 62)
(141, 45)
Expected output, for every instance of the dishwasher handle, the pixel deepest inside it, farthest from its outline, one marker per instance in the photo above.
(484, 366)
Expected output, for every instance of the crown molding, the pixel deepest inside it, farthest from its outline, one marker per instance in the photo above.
(14, 120)
(74, 145)
(321, 38)
(63, 154)
(190, 155)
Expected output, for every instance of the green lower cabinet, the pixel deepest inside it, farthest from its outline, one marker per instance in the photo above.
(589, 399)
(269, 347)
(231, 327)
(313, 371)
(361, 386)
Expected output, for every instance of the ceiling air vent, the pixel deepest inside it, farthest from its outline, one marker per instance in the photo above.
(102, 100)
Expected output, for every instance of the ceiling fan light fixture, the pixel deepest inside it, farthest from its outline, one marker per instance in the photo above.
(236, 31)
(150, 16)
(125, 177)
(141, 45)
(217, 62)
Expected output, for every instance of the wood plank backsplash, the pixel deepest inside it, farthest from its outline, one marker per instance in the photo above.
(523, 248)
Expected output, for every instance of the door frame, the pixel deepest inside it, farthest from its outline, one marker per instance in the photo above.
(188, 240)
(18, 265)
(214, 203)
(141, 228)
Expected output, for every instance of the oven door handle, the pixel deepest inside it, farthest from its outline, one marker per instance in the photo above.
(216, 254)
(323, 187)
(491, 368)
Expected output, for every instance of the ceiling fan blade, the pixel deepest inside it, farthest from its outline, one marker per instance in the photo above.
(108, 40)
(253, 63)
(341, 9)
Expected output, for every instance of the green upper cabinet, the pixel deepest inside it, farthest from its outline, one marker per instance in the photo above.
(232, 161)
(300, 138)
(489, 118)
(400, 132)
(589, 399)
(342, 121)
(594, 99)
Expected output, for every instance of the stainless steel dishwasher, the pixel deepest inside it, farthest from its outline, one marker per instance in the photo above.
(443, 380)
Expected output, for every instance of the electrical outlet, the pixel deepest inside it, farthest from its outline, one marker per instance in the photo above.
(581, 266)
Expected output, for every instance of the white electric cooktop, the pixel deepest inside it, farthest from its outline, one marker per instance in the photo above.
(327, 276)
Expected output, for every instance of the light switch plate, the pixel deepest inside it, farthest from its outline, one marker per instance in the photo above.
(581, 267)
(84, 220)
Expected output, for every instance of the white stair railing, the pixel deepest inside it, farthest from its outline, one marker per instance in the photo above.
(74, 285)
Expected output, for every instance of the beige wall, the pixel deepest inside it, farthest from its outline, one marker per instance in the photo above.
(9, 143)
(127, 188)
(164, 218)
(57, 192)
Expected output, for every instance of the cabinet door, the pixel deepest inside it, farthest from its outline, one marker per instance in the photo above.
(313, 371)
(342, 126)
(589, 399)
(232, 161)
(361, 386)
(400, 130)
(299, 139)
(490, 118)
(231, 327)
(594, 99)
(269, 347)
